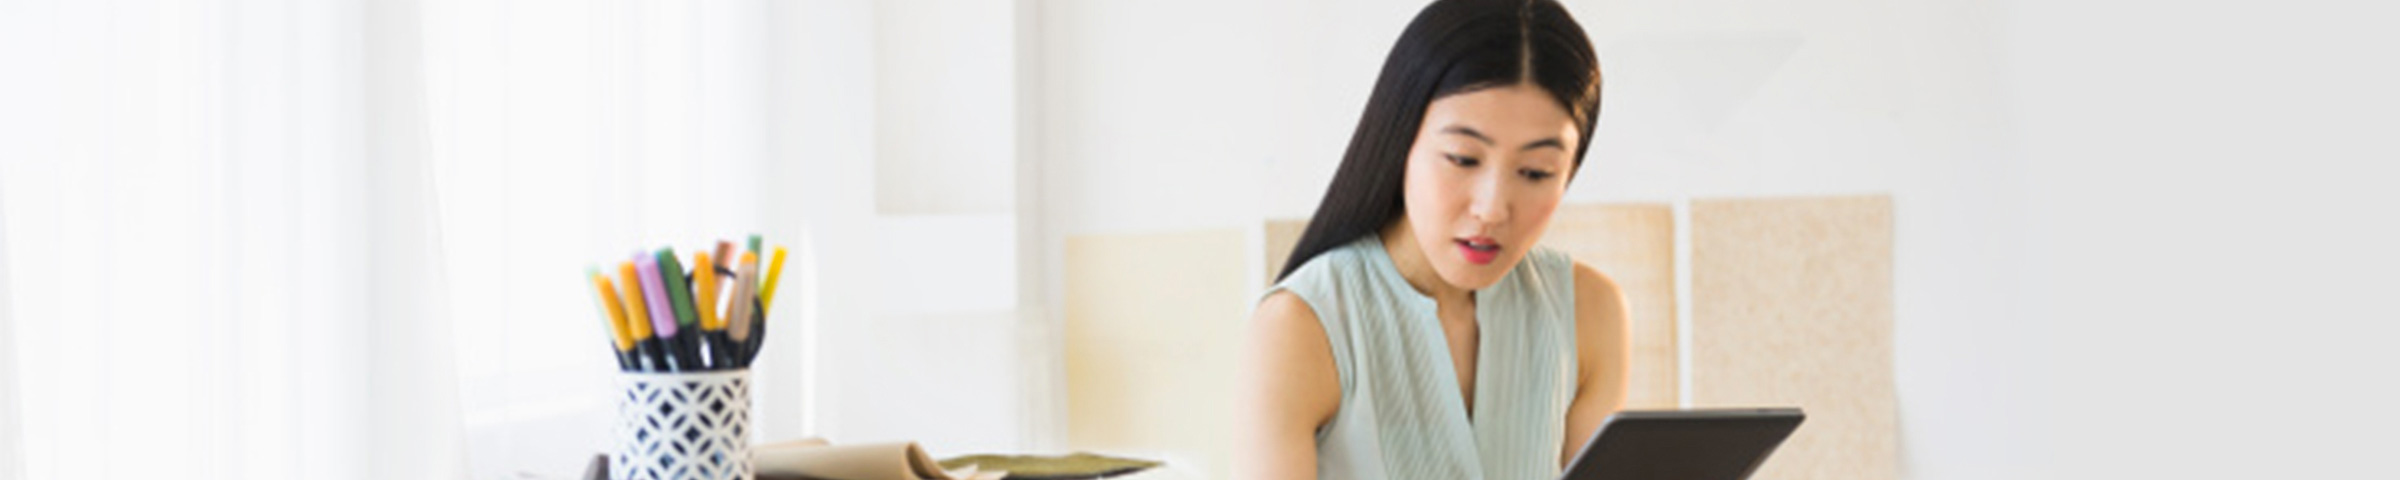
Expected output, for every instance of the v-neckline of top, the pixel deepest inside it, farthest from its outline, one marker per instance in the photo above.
(1456, 405)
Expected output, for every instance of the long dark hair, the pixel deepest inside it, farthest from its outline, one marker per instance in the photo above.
(1452, 47)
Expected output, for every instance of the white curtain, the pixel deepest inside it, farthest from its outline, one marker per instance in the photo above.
(191, 249)
(248, 239)
(11, 466)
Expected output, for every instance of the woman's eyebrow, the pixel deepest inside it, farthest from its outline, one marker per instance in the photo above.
(1470, 132)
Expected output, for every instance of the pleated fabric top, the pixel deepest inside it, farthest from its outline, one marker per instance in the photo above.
(1401, 416)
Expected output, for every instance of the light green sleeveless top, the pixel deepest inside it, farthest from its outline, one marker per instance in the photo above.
(1401, 416)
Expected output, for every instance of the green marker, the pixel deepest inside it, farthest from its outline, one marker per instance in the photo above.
(678, 290)
(680, 293)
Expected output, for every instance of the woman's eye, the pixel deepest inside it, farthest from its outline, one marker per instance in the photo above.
(1535, 175)
(1463, 161)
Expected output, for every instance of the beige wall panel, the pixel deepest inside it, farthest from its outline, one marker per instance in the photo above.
(1153, 325)
(1635, 245)
(1281, 236)
(1792, 305)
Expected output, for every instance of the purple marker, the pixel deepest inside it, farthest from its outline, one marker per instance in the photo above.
(654, 290)
(684, 350)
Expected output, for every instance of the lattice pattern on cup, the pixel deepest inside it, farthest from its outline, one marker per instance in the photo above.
(683, 426)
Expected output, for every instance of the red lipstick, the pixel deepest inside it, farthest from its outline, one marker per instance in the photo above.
(1479, 250)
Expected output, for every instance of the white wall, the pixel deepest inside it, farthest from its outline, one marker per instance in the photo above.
(2210, 233)
(12, 465)
(896, 139)
(821, 191)
(1974, 115)
(945, 107)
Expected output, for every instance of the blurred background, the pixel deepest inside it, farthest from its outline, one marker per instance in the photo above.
(345, 238)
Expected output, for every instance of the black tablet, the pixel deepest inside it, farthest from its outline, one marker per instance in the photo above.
(1713, 444)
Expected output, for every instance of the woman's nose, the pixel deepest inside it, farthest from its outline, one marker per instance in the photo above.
(1489, 202)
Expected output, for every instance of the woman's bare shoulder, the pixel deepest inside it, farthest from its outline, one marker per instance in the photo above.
(1596, 292)
(1291, 386)
(1284, 307)
(1285, 333)
(1600, 314)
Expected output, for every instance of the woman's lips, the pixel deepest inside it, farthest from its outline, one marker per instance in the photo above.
(1479, 250)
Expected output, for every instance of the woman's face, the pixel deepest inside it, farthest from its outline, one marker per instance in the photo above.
(1487, 170)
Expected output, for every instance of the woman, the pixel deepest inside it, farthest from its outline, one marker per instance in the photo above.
(1418, 331)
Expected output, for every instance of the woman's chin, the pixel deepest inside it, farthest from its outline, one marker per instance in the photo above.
(1470, 276)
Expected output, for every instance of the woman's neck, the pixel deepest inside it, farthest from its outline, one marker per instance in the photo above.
(1400, 242)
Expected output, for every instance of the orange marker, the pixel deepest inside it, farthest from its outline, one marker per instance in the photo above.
(704, 274)
(639, 329)
(616, 320)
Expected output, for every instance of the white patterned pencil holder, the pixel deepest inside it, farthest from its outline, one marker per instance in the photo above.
(683, 426)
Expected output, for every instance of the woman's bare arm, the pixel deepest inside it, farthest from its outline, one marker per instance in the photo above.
(1288, 389)
(1602, 354)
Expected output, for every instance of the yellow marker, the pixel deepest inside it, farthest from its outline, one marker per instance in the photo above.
(633, 301)
(766, 293)
(616, 312)
(704, 274)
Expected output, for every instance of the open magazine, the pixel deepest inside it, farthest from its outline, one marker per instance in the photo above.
(814, 458)
(817, 459)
